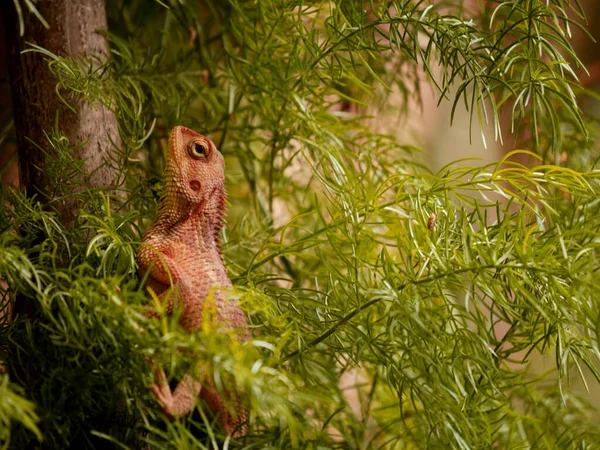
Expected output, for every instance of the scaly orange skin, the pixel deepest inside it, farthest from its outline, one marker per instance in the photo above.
(181, 250)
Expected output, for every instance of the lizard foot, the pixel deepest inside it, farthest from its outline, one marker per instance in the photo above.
(164, 396)
(182, 400)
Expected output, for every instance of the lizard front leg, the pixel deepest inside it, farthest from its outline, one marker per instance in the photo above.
(161, 264)
(165, 271)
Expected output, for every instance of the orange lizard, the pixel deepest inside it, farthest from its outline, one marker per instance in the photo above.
(181, 251)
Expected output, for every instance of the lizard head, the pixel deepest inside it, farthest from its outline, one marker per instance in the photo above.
(195, 167)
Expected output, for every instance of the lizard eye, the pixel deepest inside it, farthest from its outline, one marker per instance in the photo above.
(198, 150)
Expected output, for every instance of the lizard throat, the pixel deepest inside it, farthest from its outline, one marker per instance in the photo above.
(206, 217)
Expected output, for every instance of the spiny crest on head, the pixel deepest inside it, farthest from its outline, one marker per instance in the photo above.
(220, 216)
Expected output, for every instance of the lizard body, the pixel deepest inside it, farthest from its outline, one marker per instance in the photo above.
(181, 251)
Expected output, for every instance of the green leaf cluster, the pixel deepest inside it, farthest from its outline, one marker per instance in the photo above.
(391, 307)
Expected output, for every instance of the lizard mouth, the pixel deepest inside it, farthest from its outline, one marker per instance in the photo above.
(215, 191)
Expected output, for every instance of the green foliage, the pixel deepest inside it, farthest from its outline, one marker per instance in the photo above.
(428, 294)
(31, 9)
(14, 407)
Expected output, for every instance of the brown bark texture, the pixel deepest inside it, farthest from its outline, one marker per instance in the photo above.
(72, 32)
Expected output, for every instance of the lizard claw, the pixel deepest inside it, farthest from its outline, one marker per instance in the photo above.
(165, 398)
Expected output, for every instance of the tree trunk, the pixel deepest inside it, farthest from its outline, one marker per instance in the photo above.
(36, 104)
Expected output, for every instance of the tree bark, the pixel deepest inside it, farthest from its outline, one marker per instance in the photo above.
(72, 32)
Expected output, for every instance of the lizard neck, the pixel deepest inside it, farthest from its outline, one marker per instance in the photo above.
(205, 218)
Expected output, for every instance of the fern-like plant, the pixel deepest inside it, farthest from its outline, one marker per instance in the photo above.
(391, 307)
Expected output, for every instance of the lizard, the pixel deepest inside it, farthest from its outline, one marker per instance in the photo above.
(182, 254)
